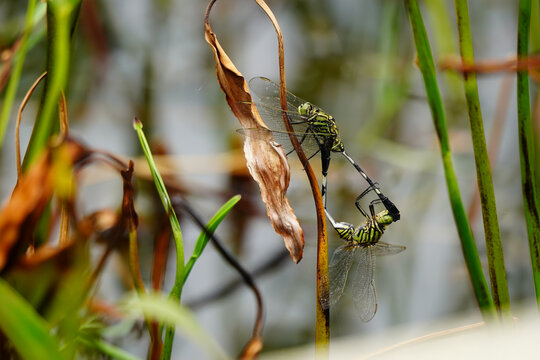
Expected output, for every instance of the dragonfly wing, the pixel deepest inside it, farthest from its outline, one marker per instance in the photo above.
(382, 248)
(363, 284)
(339, 267)
(307, 139)
(268, 92)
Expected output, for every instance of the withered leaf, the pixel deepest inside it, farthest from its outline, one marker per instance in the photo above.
(266, 160)
(33, 191)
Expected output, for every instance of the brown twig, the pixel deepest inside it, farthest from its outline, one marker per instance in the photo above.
(490, 66)
(17, 125)
(322, 334)
(227, 289)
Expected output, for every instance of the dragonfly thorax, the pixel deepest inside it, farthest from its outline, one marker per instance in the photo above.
(323, 125)
(371, 231)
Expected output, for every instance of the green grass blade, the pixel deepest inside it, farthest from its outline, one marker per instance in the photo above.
(176, 291)
(61, 17)
(494, 248)
(470, 252)
(206, 234)
(526, 147)
(111, 351)
(23, 326)
(171, 313)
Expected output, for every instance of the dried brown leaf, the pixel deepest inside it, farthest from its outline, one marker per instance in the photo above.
(266, 160)
(33, 191)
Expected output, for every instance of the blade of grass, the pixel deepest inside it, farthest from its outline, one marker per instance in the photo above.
(107, 349)
(497, 273)
(168, 311)
(61, 19)
(22, 325)
(470, 252)
(176, 291)
(526, 145)
(206, 234)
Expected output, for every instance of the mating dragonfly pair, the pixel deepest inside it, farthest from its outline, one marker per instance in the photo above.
(317, 132)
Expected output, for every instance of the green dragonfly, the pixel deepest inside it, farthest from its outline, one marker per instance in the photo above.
(315, 129)
(354, 262)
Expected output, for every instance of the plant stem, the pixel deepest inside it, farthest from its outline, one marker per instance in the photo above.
(497, 273)
(61, 20)
(176, 291)
(470, 253)
(322, 317)
(526, 145)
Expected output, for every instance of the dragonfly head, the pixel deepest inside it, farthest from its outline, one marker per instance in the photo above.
(384, 218)
(305, 109)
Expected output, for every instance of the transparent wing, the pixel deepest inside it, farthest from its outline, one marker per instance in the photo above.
(268, 92)
(362, 284)
(339, 267)
(382, 248)
(307, 139)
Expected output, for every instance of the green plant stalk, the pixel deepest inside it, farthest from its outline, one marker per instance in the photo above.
(470, 253)
(61, 17)
(534, 22)
(494, 248)
(211, 227)
(526, 147)
(176, 291)
(25, 328)
(13, 84)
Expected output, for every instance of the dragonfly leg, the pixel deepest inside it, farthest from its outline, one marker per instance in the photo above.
(301, 141)
(316, 152)
(367, 190)
(362, 211)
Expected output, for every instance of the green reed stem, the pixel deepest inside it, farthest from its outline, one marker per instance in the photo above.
(497, 273)
(61, 19)
(526, 147)
(427, 67)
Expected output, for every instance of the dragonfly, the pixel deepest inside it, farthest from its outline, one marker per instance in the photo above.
(315, 129)
(353, 263)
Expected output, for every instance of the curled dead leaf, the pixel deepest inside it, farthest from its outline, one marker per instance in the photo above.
(266, 160)
(32, 193)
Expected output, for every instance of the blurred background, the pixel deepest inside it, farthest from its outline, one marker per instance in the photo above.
(355, 59)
